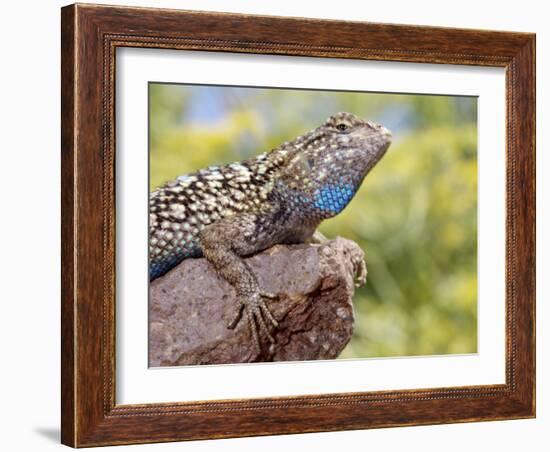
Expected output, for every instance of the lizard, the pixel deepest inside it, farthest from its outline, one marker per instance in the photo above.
(228, 212)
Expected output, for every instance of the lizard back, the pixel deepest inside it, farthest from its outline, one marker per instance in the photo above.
(182, 207)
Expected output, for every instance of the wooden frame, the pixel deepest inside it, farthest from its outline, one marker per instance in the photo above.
(90, 35)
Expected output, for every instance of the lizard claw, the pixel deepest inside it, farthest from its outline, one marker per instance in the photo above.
(360, 272)
(258, 316)
(236, 317)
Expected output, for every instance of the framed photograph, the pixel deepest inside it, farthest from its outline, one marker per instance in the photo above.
(282, 225)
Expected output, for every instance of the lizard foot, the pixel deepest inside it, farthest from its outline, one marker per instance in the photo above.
(257, 314)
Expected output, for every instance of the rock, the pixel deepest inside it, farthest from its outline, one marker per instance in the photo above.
(190, 306)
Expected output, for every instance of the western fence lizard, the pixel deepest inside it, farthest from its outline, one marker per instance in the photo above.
(225, 213)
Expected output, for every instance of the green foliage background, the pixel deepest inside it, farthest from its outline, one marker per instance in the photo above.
(415, 215)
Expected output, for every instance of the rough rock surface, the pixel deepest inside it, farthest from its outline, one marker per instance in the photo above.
(190, 306)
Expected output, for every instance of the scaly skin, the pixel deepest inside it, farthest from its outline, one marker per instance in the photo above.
(228, 212)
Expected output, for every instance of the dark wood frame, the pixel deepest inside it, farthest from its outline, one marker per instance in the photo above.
(90, 36)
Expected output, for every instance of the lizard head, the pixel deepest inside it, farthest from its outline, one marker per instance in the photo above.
(331, 161)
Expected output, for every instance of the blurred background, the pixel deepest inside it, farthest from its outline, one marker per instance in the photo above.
(415, 215)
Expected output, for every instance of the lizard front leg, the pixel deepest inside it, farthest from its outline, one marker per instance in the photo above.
(223, 244)
(318, 238)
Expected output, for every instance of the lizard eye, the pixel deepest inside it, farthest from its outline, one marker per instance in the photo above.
(342, 127)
